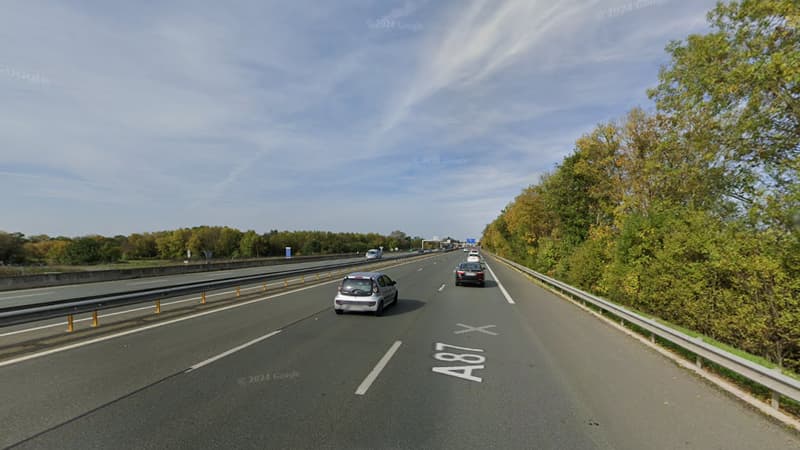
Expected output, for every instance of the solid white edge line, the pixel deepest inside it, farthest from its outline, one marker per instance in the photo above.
(364, 386)
(136, 283)
(231, 351)
(169, 322)
(500, 285)
(42, 327)
(24, 296)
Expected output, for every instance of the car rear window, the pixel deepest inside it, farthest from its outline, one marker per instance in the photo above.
(357, 286)
(472, 267)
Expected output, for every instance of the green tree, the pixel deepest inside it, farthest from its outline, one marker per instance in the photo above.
(137, 246)
(83, 250)
(250, 245)
(740, 87)
(227, 244)
(110, 250)
(12, 249)
(57, 252)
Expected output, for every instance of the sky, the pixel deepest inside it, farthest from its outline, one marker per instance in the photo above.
(425, 116)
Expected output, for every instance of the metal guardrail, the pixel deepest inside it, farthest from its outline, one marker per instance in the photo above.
(772, 379)
(48, 279)
(20, 314)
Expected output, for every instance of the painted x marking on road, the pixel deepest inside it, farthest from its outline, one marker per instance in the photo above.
(470, 328)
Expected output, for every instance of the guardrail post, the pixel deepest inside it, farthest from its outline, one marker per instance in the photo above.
(286, 283)
(775, 401)
(70, 324)
(264, 286)
(238, 291)
(699, 362)
(203, 298)
(302, 279)
(653, 338)
(317, 277)
(158, 306)
(95, 322)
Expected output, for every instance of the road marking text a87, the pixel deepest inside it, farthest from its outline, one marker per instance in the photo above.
(464, 372)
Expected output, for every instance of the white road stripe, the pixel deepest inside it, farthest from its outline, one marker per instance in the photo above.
(148, 282)
(26, 330)
(231, 351)
(419, 270)
(364, 386)
(26, 295)
(441, 288)
(500, 285)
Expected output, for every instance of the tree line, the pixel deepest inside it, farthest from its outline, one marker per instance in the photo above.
(690, 212)
(201, 242)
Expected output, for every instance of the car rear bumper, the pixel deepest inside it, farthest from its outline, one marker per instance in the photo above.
(370, 305)
(469, 280)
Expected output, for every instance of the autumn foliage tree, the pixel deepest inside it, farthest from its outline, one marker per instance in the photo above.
(691, 212)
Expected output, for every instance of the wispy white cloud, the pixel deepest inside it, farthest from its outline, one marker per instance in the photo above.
(484, 38)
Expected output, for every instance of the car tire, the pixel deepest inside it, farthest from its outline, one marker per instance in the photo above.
(458, 284)
(379, 310)
(482, 284)
(339, 311)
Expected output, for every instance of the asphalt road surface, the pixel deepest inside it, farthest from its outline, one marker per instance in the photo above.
(448, 367)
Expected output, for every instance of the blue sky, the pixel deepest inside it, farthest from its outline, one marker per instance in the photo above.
(427, 116)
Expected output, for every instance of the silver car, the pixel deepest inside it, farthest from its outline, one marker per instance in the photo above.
(365, 291)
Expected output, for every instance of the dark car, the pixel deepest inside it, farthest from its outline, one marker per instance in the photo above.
(469, 273)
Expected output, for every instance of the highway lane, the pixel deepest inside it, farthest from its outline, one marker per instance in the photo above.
(551, 377)
(44, 294)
